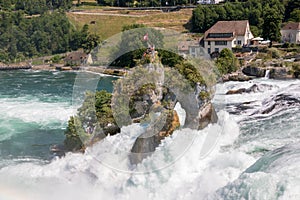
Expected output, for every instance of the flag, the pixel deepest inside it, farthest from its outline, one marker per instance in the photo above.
(146, 37)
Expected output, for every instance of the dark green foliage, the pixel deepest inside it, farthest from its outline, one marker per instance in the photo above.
(6, 4)
(59, 4)
(56, 59)
(132, 45)
(50, 33)
(144, 3)
(256, 11)
(21, 38)
(95, 111)
(190, 73)
(32, 7)
(291, 8)
(271, 25)
(75, 135)
(169, 58)
(132, 26)
(84, 39)
(227, 62)
(296, 70)
(295, 15)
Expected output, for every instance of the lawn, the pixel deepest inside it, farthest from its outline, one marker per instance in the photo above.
(107, 23)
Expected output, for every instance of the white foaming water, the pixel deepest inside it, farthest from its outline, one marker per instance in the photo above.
(274, 176)
(185, 172)
(190, 176)
(29, 109)
(267, 74)
(246, 97)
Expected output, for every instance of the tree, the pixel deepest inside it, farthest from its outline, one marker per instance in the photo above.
(91, 42)
(295, 16)
(271, 25)
(291, 6)
(132, 45)
(75, 135)
(227, 62)
(95, 110)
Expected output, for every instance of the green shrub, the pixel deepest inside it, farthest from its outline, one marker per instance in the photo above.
(274, 53)
(227, 62)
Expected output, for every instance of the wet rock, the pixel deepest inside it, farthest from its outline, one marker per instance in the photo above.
(146, 143)
(207, 115)
(276, 72)
(235, 77)
(279, 73)
(254, 71)
(253, 88)
(281, 101)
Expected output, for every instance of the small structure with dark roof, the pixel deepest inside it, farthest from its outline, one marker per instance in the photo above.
(76, 59)
(227, 34)
(291, 32)
(191, 48)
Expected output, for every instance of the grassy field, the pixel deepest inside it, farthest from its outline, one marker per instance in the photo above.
(107, 23)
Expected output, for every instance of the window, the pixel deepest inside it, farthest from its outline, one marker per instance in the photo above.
(221, 43)
(208, 42)
(220, 35)
(208, 50)
(216, 49)
(239, 42)
(234, 41)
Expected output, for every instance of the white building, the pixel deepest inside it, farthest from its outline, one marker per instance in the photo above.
(190, 48)
(291, 32)
(209, 1)
(227, 34)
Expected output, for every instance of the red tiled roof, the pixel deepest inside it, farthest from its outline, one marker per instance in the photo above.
(235, 27)
(292, 26)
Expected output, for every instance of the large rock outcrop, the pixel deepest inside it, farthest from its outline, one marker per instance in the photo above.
(146, 144)
(274, 72)
(254, 71)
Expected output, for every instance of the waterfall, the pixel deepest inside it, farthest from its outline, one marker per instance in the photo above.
(267, 74)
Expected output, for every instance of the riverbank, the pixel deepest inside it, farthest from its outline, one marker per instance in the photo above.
(59, 67)
(15, 66)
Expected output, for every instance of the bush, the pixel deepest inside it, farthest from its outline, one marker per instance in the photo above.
(56, 59)
(274, 53)
(227, 62)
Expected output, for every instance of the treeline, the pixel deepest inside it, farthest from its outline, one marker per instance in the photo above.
(145, 3)
(34, 6)
(260, 13)
(48, 34)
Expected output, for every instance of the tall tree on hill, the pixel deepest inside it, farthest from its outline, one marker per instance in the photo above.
(271, 26)
(291, 6)
(295, 15)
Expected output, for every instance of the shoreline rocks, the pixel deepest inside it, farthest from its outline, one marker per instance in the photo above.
(274, 72)
(235, 77)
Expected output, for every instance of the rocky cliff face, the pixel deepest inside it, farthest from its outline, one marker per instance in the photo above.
(147, 95)
(152, 101)
(207, 115)
(275, 72)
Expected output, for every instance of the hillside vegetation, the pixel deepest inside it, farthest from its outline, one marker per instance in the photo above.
(107, 23)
